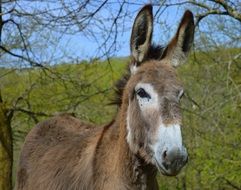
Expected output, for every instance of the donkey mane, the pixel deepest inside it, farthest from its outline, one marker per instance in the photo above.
(155, 53)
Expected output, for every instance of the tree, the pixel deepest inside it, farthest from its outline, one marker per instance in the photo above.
(6, 147)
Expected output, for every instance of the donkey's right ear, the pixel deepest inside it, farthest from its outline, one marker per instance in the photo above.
(141, 34)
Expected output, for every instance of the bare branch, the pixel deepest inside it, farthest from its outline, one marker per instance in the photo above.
(33, 63)
(230, 10)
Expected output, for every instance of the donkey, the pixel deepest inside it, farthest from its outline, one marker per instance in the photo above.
(144, 137)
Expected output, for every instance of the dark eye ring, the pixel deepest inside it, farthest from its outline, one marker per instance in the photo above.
(142, 93)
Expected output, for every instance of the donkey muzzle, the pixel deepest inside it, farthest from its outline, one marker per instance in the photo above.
(172, 161)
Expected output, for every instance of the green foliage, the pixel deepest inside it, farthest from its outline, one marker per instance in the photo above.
(211, 109)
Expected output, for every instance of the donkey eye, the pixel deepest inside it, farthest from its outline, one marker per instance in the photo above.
(142, 93)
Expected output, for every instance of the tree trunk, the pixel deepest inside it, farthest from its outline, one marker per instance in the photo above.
(6, 149)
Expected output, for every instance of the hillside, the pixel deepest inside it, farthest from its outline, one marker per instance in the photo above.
(211, 108)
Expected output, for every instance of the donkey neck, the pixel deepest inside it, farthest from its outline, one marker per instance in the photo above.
(131, 167)
(135, 172)
(116, 164)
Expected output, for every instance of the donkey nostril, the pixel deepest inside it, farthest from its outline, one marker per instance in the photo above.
(164, 155)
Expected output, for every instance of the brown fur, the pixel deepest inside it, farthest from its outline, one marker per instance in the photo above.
(65, 153)
(62, 153)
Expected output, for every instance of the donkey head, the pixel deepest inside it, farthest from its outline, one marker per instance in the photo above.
(153, 93)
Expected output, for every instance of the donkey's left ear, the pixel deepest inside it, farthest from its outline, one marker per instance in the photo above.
(177, 50)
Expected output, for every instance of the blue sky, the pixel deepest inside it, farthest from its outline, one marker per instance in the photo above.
(80, 45)
(165, 25)
(84, 47)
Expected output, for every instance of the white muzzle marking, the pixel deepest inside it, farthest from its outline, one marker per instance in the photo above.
(168, 137)
(169, 153)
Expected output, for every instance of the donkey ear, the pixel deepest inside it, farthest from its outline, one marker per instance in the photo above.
(177, 50)
(141, 34)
